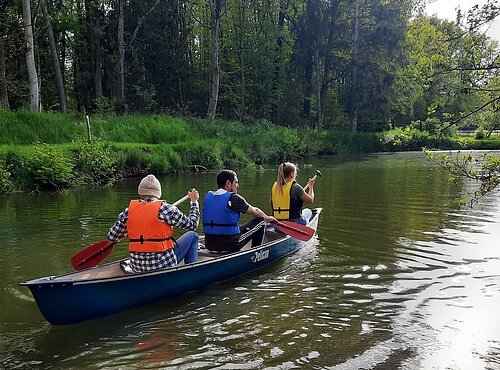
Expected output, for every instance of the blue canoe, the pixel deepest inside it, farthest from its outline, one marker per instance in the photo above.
(110, 288)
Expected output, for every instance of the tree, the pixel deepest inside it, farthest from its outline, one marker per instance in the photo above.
(470, 63)
(328, 60)
(478, 67)
(216, 12)
(378, 30)
(30, 57)
(55, 58)
(4, 95)
(120, 97)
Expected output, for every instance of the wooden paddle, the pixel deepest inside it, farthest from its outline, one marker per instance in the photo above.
(96, 253)
(318, 174)
(295, 230)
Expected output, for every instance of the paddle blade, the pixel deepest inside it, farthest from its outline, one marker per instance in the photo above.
(91, 256)
(295, 230)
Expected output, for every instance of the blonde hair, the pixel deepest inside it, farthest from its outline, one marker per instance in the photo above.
(284, 170)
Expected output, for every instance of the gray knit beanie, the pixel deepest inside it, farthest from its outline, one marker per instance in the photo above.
(150, 186)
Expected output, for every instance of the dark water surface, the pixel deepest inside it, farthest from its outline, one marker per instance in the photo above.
(398, 278)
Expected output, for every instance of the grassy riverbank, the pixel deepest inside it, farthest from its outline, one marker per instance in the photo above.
(46, 151)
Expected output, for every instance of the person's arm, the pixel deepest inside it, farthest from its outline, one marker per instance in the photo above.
(309, 196)
(239, 204)
(119, 231)
(173, 216)
(258, 213)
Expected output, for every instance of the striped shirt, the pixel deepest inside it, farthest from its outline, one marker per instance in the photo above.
(169, 214)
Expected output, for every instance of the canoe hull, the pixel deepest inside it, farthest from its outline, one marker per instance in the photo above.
(65, 300)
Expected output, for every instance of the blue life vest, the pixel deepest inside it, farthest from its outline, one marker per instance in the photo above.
(217, 218)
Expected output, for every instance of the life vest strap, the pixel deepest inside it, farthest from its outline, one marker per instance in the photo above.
(142, 240)
(279, 210)
(212, 224)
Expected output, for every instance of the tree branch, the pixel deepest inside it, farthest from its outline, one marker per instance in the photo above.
(469, 114)
(140, 22)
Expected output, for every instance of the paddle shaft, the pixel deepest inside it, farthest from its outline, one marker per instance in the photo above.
(313, 179)
(184, 198)
(104, 249)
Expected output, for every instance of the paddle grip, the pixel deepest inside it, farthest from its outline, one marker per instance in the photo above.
(307, 185)
(185, 197)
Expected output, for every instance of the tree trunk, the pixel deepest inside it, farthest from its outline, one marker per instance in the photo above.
(120, 95)
(277, 62)
(308, 75)
(30, 57)
(319, 115)
(325, 84)
(4, 95)
(97, 52)
(55, 59)
(353, 100)
(309, 47)
(242, 109)
(215, 13)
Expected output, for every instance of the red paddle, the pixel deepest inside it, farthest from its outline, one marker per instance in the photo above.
(91, 256)
(295, 230)
(96, 253)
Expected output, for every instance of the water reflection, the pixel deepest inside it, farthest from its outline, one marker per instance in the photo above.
(398, 278)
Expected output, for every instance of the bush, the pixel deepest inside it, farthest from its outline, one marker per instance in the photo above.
(50, 168)
(479, 134)
(95, 162)
(105, 106)
(207, 153)
(5, 179)
(408, 138)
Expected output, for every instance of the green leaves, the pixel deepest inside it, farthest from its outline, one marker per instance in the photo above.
(95, 162)
(50, 168)
(483, 168)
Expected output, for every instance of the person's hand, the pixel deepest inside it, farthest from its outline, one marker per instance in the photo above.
(193, 195)
(270, 219)
(310, 182)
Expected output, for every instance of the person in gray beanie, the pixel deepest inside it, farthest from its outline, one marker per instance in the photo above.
(149, 224)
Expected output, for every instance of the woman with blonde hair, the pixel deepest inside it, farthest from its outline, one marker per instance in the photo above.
(288, 197)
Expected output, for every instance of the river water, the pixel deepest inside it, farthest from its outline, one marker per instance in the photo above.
(398, 277)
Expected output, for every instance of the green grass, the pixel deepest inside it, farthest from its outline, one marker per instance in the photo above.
(161, 144)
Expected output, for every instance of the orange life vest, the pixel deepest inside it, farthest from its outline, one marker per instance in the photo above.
(145, 231)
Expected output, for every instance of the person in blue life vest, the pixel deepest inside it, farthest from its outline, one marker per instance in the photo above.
(288, 196)
(221, 215)
(149, 224)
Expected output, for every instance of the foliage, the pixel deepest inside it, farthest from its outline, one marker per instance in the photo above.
(5, 179)
(479, 134)
(16, 164)
(483, 168)
(94, 162)
(104, 106)
(50, 168)
(213, 144)
(404, 138)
